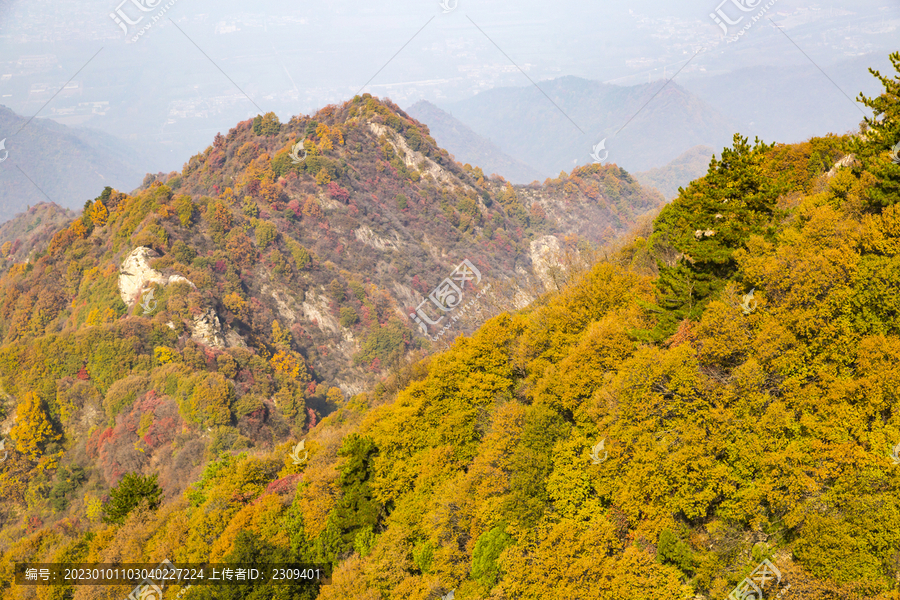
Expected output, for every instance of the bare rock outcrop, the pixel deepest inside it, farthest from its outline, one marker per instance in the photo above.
(413, 159)
(545, 259)
(207, 329)
(136, 273)
(847, 161)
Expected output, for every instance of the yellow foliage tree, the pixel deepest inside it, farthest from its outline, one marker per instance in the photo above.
(93, 509)
(94, 317)
(78, 230)
(280, 337)
(235, 303)
(335, 395)
(323, 177)
(210, 404)
(569, 551)
(18, 269)
(99, 214)
(328, 136)
(32, 430)
(165, 355)
(261, 518)
(291, 364)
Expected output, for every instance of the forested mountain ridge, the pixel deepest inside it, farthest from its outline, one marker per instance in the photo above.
(28, 233)
(339, 243)
(227, 306)
(720, 391)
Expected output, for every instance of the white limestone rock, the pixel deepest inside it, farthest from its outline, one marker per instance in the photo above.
(136, 274)
(545, 254)
(207, 329)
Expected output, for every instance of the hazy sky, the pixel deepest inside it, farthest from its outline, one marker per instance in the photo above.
(205, 64)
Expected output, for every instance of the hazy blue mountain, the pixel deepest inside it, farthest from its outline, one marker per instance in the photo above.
(679, 173)
(792, 103)
(642, 126)
(469, 147)
(66, 165)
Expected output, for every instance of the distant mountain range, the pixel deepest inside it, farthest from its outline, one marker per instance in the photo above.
(808, 103)
(689, 166)
(468, 147)
(643, 127)
(51, 162)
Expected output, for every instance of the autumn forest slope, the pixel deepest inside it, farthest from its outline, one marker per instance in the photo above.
(734, 429)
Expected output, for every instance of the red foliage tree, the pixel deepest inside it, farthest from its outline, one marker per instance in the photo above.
(338, 193)
(285, 485)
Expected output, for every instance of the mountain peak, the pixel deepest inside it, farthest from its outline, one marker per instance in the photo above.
(338, 225)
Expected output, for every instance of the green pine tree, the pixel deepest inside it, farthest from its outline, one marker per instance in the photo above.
(356, 510)
(706, 224)
(131, 492)
(877, 148)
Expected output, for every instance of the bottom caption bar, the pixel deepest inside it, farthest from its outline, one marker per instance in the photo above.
(144, 575)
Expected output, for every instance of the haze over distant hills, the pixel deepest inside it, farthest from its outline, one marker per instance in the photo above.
(586, 112)
(295, 58)
(678, 173)
(791, 103)
(51, 162)
(469, 147)
(704, 108)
